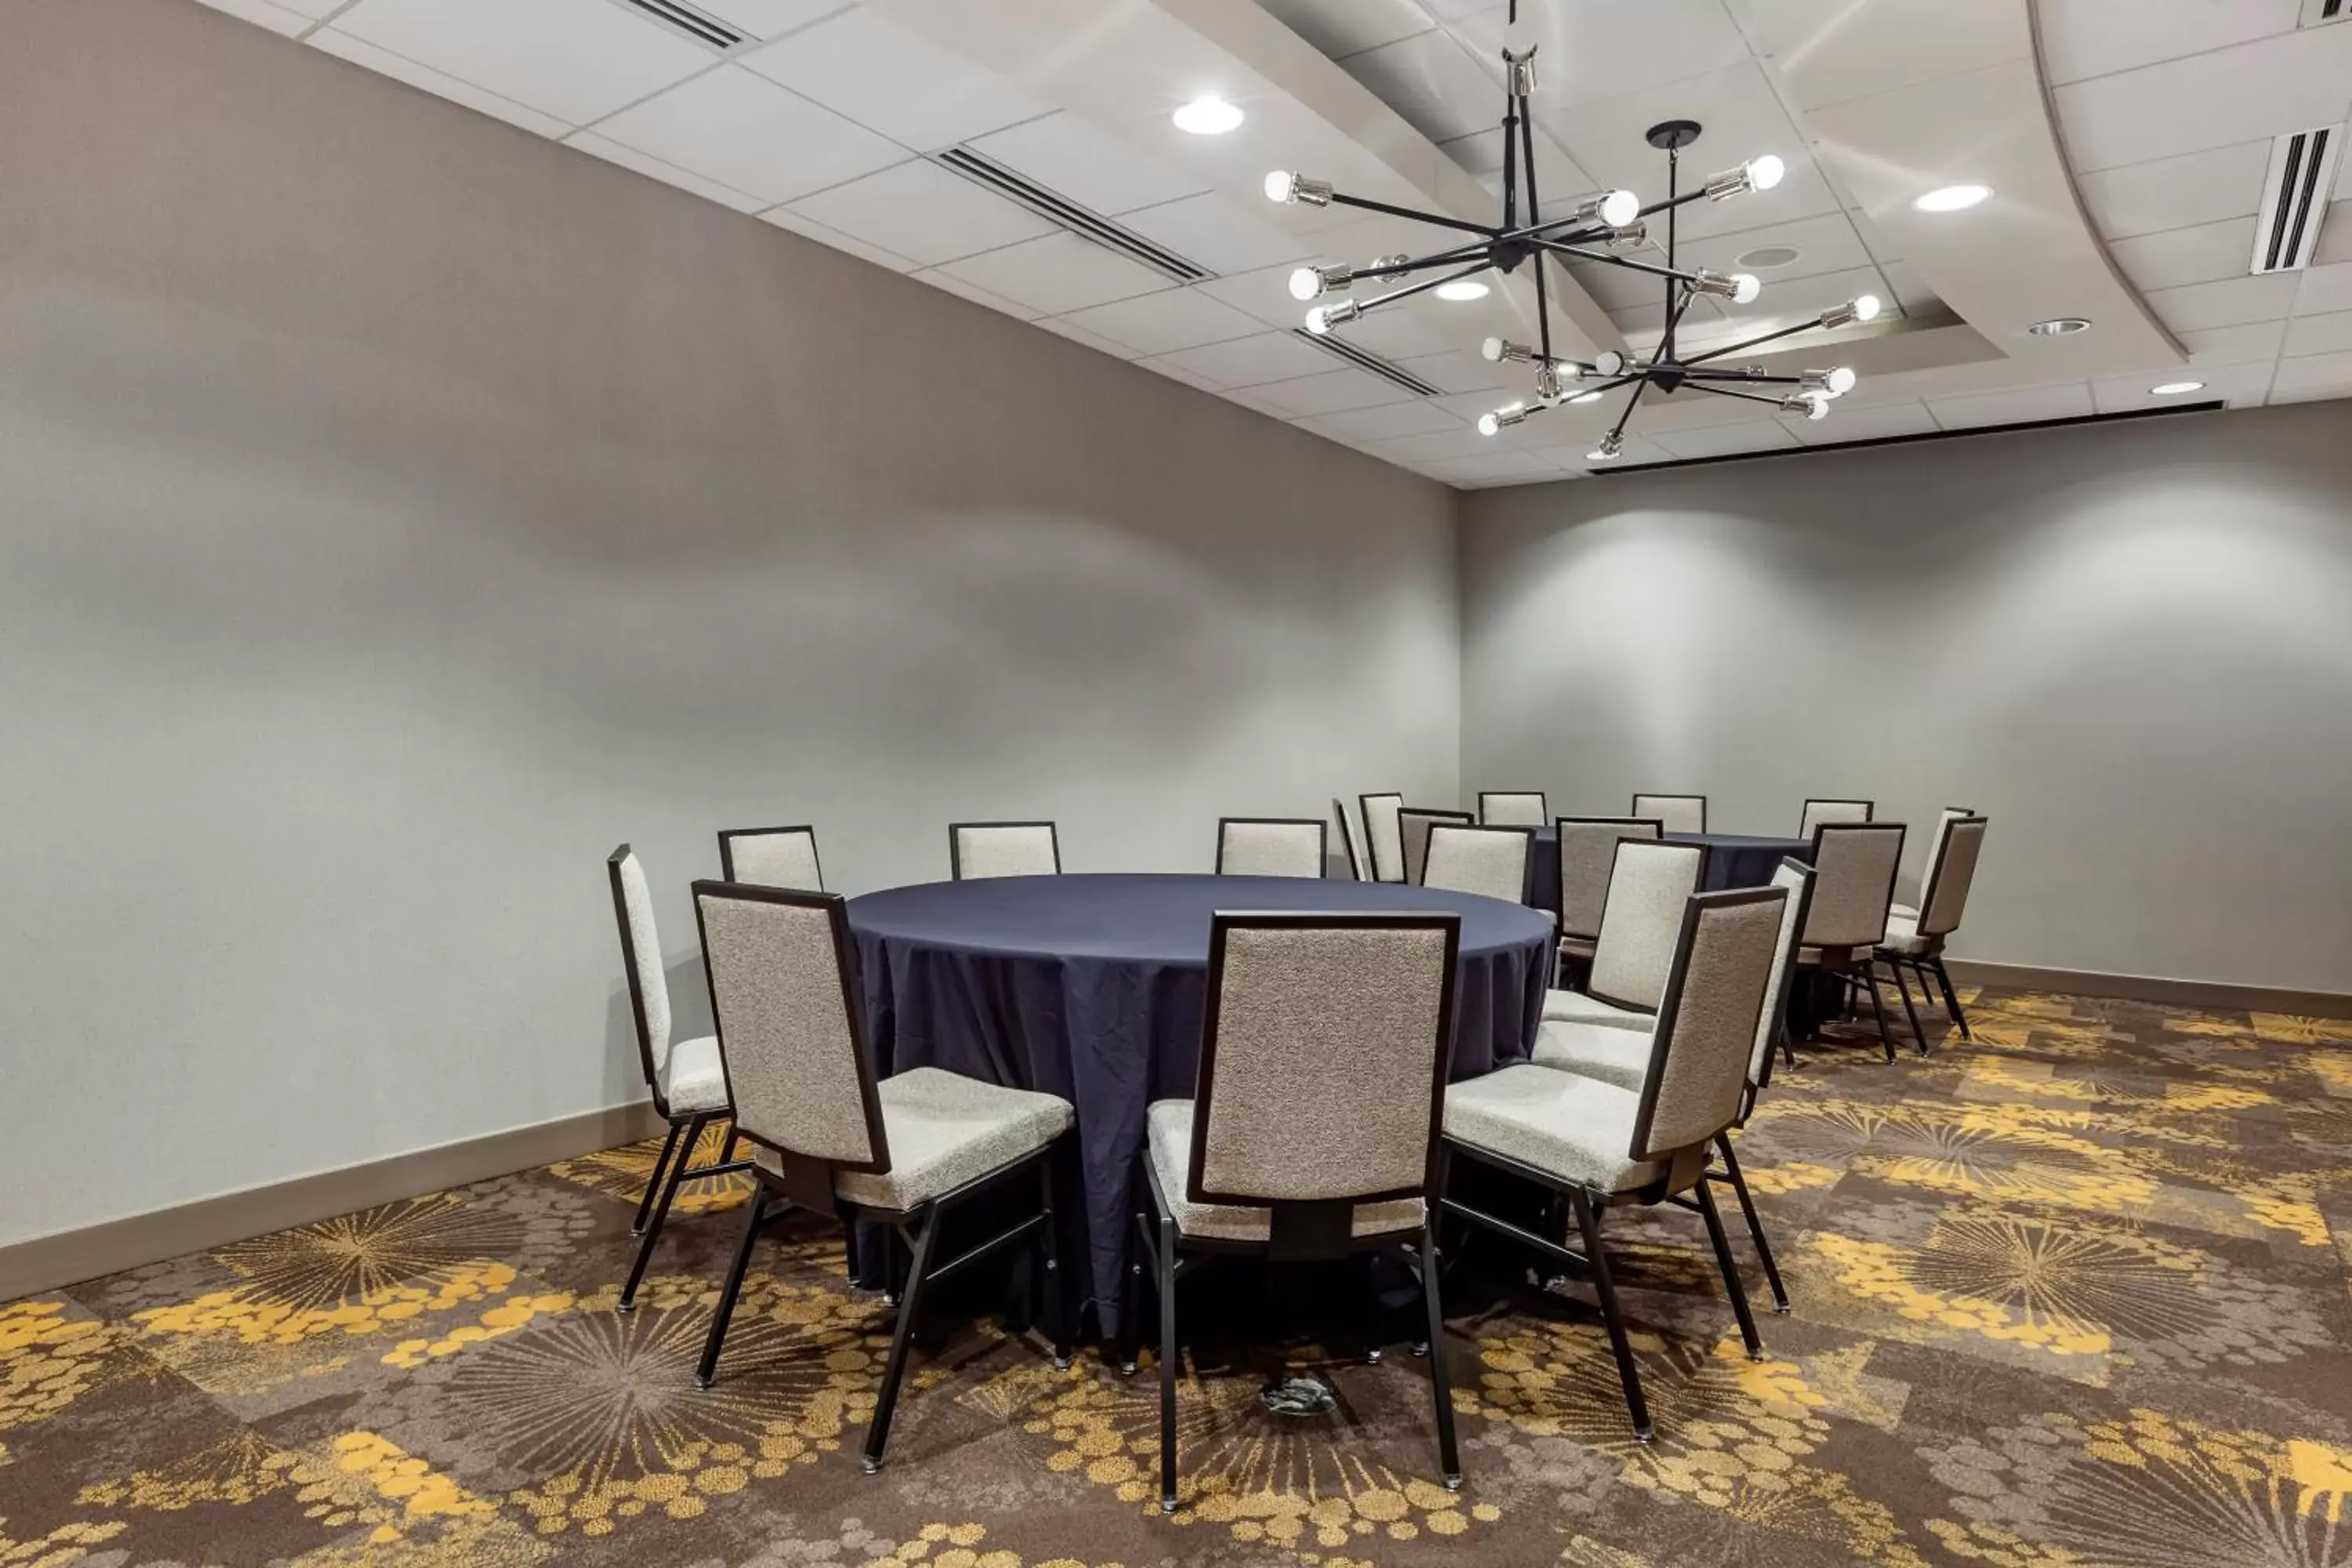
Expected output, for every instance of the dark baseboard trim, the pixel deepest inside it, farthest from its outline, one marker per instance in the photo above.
(67, 1257)
(2218, 995)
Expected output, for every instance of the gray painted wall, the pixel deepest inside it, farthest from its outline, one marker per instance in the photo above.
(2130, 644)
(399, 510)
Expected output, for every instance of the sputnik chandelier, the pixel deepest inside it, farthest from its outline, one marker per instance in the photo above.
(1607, 227)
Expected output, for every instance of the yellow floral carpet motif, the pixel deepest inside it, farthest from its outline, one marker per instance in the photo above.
(2075, 1295)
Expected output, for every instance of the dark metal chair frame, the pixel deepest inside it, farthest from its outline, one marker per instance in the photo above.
(1372, 840)
(1322, 838)
(1348, 840)
(1433, 815)
(1589, 1204)
(807, 1184)
(1858, 963)
(1299, 1231)
(1928, 963)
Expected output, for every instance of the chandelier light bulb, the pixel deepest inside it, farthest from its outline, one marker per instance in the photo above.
(1766, 171)
(1306, 282)
(1866, 308)
(1210, 116)
(1323, 318)
(1497, 350)
(1811, 405)
(1722, 284)
(1756, 174)
(1861, 307)
(1510, 414)
(1842, 381)
(1286, 188)
(1745, 288)
(1628, 236)
(1608, 361)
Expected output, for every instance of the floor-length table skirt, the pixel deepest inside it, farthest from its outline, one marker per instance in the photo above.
(1093, 987)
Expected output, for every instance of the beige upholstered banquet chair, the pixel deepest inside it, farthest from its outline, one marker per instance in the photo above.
(1649, 883)
(1413, 823)
(1916, 940)
(1620, 1055)
(1680, 813)
(1312, 1131)
(1493, 862)
(1588, 855)
(771, 857)
(1272, 845)
(1600, 1145)
(1355, 867)
(1856, 863)
(1383, 837)
(1508, 808)
(906, 1153)
(1819, 811)
(1944, 820)
(688, 1083)
(978, 849)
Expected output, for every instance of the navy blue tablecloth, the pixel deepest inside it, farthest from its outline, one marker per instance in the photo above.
(1093, 987)
(1732, 861)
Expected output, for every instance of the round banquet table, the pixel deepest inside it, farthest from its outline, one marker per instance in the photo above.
(1092, 987)
(1732, 861)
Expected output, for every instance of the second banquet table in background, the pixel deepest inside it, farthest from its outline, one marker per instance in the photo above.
(1093, 987)
(1732, 861)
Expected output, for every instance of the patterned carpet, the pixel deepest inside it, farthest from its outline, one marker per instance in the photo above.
(2076, 1294)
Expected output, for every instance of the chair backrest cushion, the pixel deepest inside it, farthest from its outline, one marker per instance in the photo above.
(1819, 811)
(1504, 808)
(1383, 837)
(771, 857)
(1706, 1025)
(1680, 813)
(1856, 863)
(1003, 849)
(781, 980)
(1413, 823)
(633, 908)
(1634, 952)
(1588, 855)
(1347, 841)
(1944, 820)
(1945, 894)
(1489, 861)
(1323, 1055)
(1259, 847)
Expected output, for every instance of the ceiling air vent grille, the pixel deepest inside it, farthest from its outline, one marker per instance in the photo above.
(2295, 198)
(2314, 12)
(680, 17)
(1087, 223)
(1394, 375)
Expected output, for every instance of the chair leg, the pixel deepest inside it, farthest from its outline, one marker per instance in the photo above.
(1057, 1290)
(1167, 1261)
(878, 1431)
(1951, 999)
(1918, 1035)
(1788, 1042)
(677, 1177)
(708, 1371)
(1730, 1271)
(1441, 1386)
(1755, 1225)
(1878, 1011)
(1606, 1289)
(654, 1182)
(727, 1150)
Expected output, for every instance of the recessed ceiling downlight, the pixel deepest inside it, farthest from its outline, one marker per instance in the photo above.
(1764, 257)
(2175, 388)
(1462, 288)
(2059, 326)
(1951, 198)
(1207, 117)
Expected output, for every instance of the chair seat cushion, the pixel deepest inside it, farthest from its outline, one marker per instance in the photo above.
(1168, 1152)
(1910, 911)
(692, 1079)
(1903, 933)
(1574, 1127)
(1576, 1008)
(1577, 946)
(946, 1129)
(1612, 1055)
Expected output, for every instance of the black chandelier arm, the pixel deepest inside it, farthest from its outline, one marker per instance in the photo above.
(1726, 391)
(1426, 284)
(1441, 220)
(1453, 258)
(1617, 431)
(1752, 343)
(1558, 247)
(1673, 321)
(1670, 204)
(1747, 378)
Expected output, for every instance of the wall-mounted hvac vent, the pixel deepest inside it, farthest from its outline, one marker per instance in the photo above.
(1395, 375)
(680, 17)
(2314, 12)
(2295, 198)
(1087, 223)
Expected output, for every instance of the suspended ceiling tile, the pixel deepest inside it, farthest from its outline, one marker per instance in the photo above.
(1057, 274)
(889, 79)
(2162, 194)
(1329, 392)
(750, 134)
(2234, 345)
(773, 18)
(1456, 372)
(919, 210)
(1385, 421)
(1461, 441)
(1218, 232)
(1722, 440)
(1089, 166)
(1504, 468)
(575, 60)
(808, 228)
(2239, 385)
(1166, 322)
(668, 174)
(2252, 91)
(2082, 38)
(1558, 177)
(2206, 253)
(2020, 405)
(278, 18)
(2230, 303)
(1830, 54)
(1265, 294)
(1060, 327)
(1586, 50)
(940, 278)
(2313, 376)
(1402, 332)
(2324, 288)
(1846, 425)
(2335, 234)
(1249, 362)
(344, 46)
(2330, 334)
(1433, 82)
(1343, 27)
(1913, 295)
(1828, 242)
